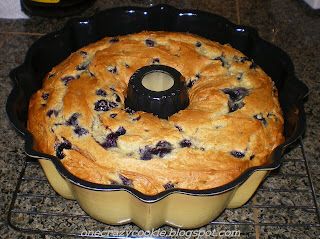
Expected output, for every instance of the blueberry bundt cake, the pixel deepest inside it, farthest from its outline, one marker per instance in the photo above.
(233, 121)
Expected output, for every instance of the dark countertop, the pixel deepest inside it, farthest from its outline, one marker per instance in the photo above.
(289, 24)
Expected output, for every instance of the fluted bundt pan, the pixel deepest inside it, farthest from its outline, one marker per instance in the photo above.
(117, 204)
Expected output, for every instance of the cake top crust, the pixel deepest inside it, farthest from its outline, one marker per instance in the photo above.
(233, 121)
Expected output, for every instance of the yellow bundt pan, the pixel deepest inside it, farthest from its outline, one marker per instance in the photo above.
(118, 204)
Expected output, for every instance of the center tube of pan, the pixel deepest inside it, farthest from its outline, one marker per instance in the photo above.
(157, 81)
(157, 89)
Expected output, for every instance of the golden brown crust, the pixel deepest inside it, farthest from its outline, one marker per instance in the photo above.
(233, 121)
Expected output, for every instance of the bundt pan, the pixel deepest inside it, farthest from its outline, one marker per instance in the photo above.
(117, 204)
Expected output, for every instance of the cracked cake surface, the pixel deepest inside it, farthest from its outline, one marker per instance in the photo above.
(233, 121)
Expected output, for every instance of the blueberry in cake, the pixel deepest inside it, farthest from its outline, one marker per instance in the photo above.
(233, 121)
